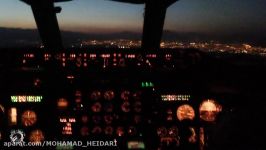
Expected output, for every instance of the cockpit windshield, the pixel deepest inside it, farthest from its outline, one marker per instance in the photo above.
(219, 25)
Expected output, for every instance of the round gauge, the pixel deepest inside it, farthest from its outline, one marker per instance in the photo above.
(96, 119)
(109, 95)
(162, 132)
(28, 118)
(108, 107)
(62, 103)
(132, 131)
(84, 131)
(84, 119)
(185, 112)
(137, 119)
(96, 130)
(125, 107)
(120, 131)
(96, 107)
(108, 130)
(137, 106)
(108, 119)
(96, 95)
(125, 95)
(208, 110)
(36, 136)
(116, 116)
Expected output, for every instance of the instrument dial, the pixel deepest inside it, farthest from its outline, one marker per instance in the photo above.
(173, 131)
(96, 107)
(108, 107)
(28, 118)
(132, 131)
(108, 119)
(137, 106)
(162, 132)
(185, 112)
(108, 130)
(125, 95)
(125, 107)
(96, 130)
(36, 136)
(109, 95)
(96, 95)
(84, 119)
(84, 131)
(120, 131)
(209, 110)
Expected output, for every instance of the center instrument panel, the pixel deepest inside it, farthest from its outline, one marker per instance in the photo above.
(142, 99)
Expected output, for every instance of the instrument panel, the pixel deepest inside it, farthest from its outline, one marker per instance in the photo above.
(144, 100)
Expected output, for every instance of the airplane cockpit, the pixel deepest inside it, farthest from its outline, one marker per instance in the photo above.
(149, 97)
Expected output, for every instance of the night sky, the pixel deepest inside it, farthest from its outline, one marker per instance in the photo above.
(201, 16)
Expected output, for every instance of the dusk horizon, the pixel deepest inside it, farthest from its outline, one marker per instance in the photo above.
(18, 34)
(184, 16)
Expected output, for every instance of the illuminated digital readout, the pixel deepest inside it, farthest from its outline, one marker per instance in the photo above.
(26, 99)
(71, 120)
(175, 97)
(67, 128)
